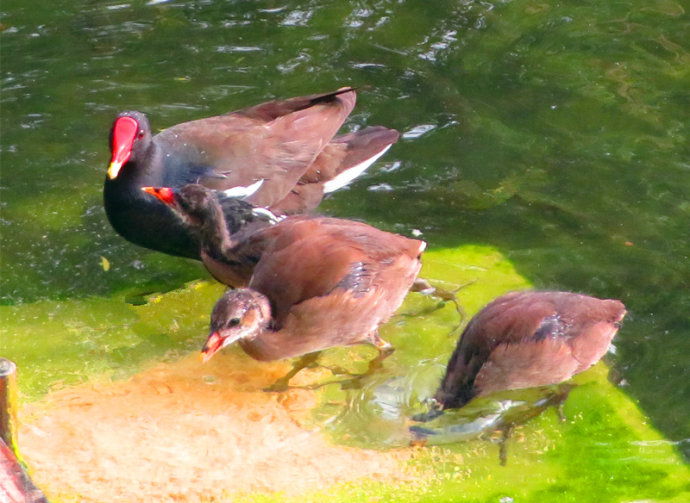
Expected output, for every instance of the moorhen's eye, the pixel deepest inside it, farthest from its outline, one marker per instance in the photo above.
(141, 134)
(234, 322)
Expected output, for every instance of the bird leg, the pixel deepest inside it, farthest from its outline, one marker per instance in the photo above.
(503, 444)
(555, 399)
(564, 390)
(305, 361)
(385, 350)
(422, 286)
(309, 360)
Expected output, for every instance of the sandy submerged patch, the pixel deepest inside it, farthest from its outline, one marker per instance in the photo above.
(184, 431)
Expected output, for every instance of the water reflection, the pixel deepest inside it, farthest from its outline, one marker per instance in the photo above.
(393, 408)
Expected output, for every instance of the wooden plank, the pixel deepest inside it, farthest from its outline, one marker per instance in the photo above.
(8, 403)
(15, 484)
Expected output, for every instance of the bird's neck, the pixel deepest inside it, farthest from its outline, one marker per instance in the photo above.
(215, 236)
(145, 169)
(272, 345)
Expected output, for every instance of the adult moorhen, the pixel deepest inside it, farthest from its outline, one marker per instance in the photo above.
(280, 155)
(315, 282)
(528, 339)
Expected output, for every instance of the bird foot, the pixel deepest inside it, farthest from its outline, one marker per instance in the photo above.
(435, 410)
(422, 286)
(305, 361)
(385, 350)
(276, 388)
(340, 371)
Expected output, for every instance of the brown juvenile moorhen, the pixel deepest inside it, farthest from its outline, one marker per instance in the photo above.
(229, 256)
(528, 339)
(317, 282)
(280, 155)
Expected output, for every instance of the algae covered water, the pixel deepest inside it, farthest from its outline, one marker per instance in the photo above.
(555, 135)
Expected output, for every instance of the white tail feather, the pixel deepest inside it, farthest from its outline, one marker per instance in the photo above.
(348, 175)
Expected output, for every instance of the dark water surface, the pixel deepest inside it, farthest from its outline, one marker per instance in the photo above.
(557, 133)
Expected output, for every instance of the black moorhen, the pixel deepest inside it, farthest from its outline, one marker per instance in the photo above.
(280, 155)
(528, 339)
(315, 282)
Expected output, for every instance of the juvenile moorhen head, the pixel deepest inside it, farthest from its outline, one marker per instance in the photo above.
(280, 155)
(198, 206)
(528, 339)
(192, 201)
(222, 226)
(240, 314)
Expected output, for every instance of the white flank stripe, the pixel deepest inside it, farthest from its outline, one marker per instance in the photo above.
(348, 175)
(241, 191)
(267, 213)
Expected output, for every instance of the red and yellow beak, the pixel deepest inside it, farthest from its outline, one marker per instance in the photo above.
(124, 133)
(213, 344)
(164, 194)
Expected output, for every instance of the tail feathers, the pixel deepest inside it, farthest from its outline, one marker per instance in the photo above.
(271, 110)
(348, 156)
(346, 176)
(342, 160)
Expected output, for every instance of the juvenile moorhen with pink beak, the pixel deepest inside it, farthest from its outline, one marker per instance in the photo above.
(528, 339)
(315, 282)
(279, 155)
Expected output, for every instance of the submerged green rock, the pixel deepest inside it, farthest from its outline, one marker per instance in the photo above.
(603, 452)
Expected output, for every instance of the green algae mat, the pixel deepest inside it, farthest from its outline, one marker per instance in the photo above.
(602, 450)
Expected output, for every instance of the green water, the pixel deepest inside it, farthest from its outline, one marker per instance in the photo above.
(556, 133)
